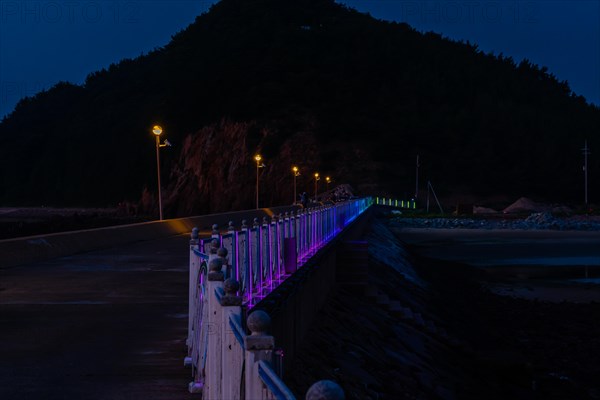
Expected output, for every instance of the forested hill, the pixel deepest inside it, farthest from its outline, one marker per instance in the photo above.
(309, 82)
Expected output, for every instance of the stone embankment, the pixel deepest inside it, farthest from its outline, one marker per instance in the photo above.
(542, 220)
(430, 330)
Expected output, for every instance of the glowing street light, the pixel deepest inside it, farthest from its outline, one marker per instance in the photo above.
(328, 180)
(316, 180)
(296, 174)
(258, 160)
(157, 130)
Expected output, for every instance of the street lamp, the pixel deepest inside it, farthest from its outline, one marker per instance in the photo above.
(316, 180)
(157, 130)
(296, 174)
(258, 160)
(328, 180)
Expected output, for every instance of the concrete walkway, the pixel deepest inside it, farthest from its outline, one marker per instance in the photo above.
(108, 324)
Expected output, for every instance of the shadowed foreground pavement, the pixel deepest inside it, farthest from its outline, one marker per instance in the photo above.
(109, 324)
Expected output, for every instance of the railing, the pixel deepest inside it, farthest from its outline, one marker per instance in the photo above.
(237, 365)
(223, 358)
(409, 204)
(262, 256)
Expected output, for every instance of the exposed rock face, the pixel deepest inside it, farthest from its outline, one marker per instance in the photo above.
(216, 170)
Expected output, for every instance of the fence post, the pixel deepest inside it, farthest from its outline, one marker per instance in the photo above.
(233, 252)
(286, 226)
(325, 390)
(212, 251)
(265, 250)
(244, 262)
(274, 238)
(259, 347)
(212, 377)
(222, 254)
(233, 354)
(193, 287)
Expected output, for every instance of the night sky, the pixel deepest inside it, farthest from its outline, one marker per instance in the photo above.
(43, 42)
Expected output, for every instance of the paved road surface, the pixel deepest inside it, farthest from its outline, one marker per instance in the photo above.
(103, 325)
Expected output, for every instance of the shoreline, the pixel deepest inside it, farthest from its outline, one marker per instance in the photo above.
(537, 264)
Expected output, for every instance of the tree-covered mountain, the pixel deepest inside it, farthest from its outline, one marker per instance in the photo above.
(307, 82)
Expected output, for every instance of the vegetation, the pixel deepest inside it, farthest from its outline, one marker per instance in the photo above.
(481, 123)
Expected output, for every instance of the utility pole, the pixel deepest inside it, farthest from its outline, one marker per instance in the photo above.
(417, 180)
(586, 152)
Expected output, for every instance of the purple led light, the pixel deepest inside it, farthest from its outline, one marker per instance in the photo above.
(312, 229)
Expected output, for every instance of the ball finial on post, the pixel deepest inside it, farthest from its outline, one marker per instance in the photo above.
(325, 390)
(215, 267)
(258, 322)
(231, 287)
(214, 246)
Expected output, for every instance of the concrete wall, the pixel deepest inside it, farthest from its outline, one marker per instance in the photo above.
(37, 248)
(295, 304)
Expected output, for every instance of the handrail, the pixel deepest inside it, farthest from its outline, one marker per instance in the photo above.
(256, 256)
(219, 293)
(236, 327)
(260, 257)
(273, 382)
(382, 201)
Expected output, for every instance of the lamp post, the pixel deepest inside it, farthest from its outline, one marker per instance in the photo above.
(258, 159)
(328, 180)
(316, 180)
(296, 174)
(157, 130)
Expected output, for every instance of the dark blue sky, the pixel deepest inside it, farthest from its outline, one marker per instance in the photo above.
(46, 41)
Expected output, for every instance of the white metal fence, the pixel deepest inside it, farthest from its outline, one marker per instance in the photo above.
(227, 363)
(261, 256)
